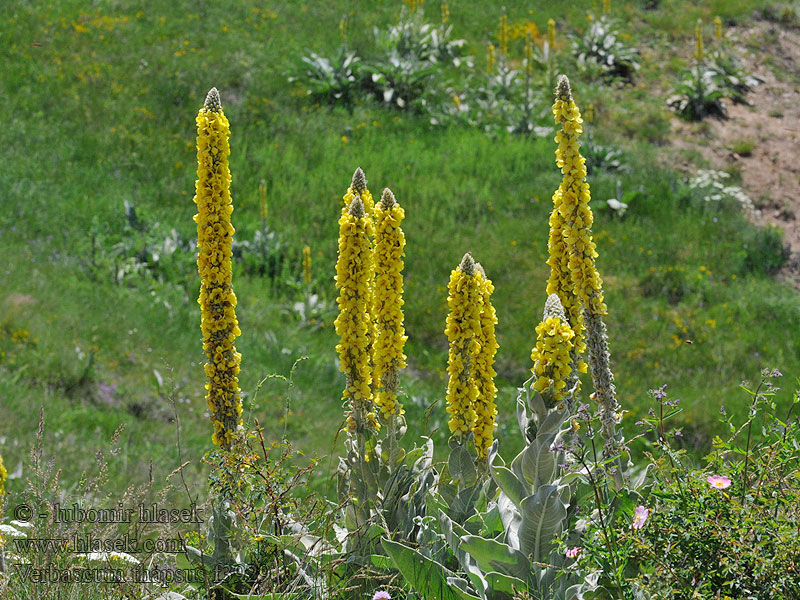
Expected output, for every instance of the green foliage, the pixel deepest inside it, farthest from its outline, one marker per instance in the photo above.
(698, 95)
(729, 529)
(765, 251)
(602, 45)
(331, 80)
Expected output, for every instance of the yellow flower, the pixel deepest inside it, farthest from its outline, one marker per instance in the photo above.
(463, 332)
(552, 358)
(572, 250)
(718, 29)
(490, 59)
(307, 264)
(217, 300)
(445, 13)
(484, 373)
(354, 273)
(388, 304)
(698, 36)
(551, 33)
(503, 34)
(606, 6)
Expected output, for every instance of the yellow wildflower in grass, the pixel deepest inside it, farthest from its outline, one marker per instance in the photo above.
(262, 201)
(606, 6)
(388, 304)
(490, 60)
(217, 300)
(698, 38)
(552, 355)
(354, 273)
(307, 264)
(445, 13)
(463, 332)
(718, 29)
(502, 36)
(484, 373)
(551, 33)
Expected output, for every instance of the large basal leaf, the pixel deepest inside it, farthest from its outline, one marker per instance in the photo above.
(426, 576)
(509, 484)
(492, 555)
(538, 462)
(542, 516)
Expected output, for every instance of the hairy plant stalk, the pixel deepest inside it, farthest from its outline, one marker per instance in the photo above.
(217, 301)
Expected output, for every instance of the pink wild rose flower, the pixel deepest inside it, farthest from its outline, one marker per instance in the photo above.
(640, 516)
(719, 482)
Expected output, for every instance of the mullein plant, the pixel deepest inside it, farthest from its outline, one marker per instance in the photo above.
(471, 391)
(573, 276)
(390, 337)
(505, 545)
(217, 299)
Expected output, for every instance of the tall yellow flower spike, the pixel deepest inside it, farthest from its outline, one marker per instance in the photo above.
(698, 39)
(718, 29)
(502, 37)
(490, 59)
(463, 330)
(445, 13)
(606, 6)
(484, 373)
(388, 304)
(551, 33)
(307, 264)
(574, 240)
(354, 274)
(217, 300)
(551, 355)
(574, 214)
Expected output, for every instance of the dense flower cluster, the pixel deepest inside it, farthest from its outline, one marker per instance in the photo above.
(354, 274)
(484, 373)
(552, 354)
(214, 240)
(463, 330)
(388, 302)
(571, 201)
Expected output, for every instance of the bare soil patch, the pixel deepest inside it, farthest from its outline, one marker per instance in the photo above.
(760, 140)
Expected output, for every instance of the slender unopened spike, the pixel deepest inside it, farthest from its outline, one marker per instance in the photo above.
(359, 183)
(387, 199)
(467, 265)
(213, 102)
(357, 208)
(563, 90)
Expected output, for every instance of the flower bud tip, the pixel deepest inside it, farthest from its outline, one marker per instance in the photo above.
(213, 102)
(359, 183)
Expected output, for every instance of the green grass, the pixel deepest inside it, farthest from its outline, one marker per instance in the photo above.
(102, 111)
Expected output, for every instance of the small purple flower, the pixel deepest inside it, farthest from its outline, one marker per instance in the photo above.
(719, 482)
(640, 516)
(381, 595)
(573, 552)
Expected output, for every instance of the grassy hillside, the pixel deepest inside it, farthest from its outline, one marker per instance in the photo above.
(99, 111)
